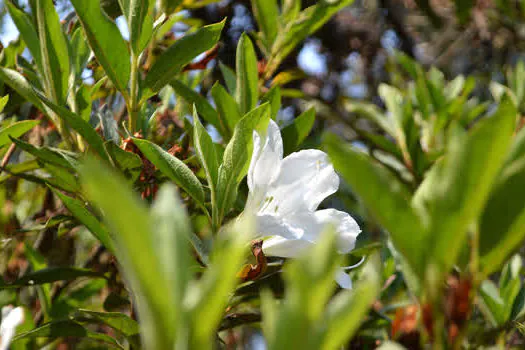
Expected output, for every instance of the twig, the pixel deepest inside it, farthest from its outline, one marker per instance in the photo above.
(7, 156)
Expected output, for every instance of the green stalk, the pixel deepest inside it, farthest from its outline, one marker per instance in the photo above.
(215, 223)
(133, 104)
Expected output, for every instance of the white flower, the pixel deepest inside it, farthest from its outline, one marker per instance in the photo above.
(285, 193)
(11, 318)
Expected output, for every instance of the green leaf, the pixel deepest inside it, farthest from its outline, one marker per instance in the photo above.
(267, 13)
(204, 108)
(371, 181)
(310, 286)
(54, 51)
(169, 6)
(371, 112)
(62, 176)
(128, 219)
(44, 154)
(304, 24)
(395, 105)
(80, 51)
(236, 157)
(27, 31)
(173, 168)
(3, 102)
(171, 237)
(16, 130)
(229, 78)
(453, 193)
(290, 9)
(348, 309)
(120, 322)
(247, 75)
(502, 223)
(86, 218)
(205, 149)
(79, 125)
(209, 159)
(128, 163)
(491, 303)
(50, 275)
(67, 328)
(518, 307)
(18, 168)
(227, 108)
(139, 16)
(273, 96)
(18, 83)
(105, 40)
(37, 262)
(295, 133)
(171, 62)
(210, 296)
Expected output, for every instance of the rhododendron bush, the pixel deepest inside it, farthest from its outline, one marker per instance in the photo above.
(155, 197)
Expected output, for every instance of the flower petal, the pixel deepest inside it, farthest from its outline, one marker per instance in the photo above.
(304, 180)
(312, 226)
(266, 158)
(291, 235)
(343, 279)
(11, 318)
(285, 248)
(270, 225)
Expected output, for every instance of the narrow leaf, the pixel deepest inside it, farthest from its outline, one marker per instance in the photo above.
(50, 275)
(267, 13)
(120, 322)
(171, 236)
(106, 42)
(237, 155)
(27, 31)
(372, 181)
(227, 107)
(44, 154)
(54, 51)
(295, 133)
(173, 168)
(169, 6)
(16, 130)
(17, 81)
(247, 75)
(79, 125)
(140, 19)
(229, 78)
(78, 209)
(205, 150)
(302, 25)
(67, 328)
(502, 223)
(128, 219)
(80, 51)
(348, 309)
(453, 194)
(171, 62)
(204, 108)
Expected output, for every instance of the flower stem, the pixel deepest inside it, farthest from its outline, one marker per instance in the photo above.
(133, 103)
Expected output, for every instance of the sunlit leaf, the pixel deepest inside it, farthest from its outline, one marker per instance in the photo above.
(247, 92)
(106, 42)
(173, 168)
(16, 130)
(171, 62)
